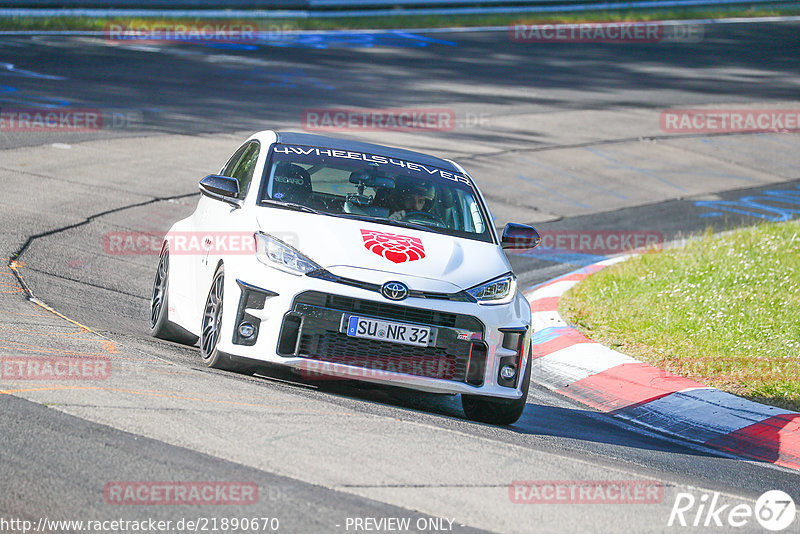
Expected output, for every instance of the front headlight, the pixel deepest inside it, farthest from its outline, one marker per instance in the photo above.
(500, 290)
(275, 253)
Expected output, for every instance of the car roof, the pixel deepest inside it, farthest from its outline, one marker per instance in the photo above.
(336, 143)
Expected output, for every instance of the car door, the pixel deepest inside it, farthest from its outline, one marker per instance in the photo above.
(234, 223)
(220, 225)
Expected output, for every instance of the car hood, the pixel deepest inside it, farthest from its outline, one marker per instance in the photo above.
(376, 252)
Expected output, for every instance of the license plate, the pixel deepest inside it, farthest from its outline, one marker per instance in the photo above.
(407, 334)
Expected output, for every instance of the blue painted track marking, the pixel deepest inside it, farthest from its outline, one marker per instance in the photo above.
(431, 40)
(548, 334)
(753, 205)
(323, 39)
(46, 102)
(228, 46)
(13, 70)
(307, 13)
(345, 39)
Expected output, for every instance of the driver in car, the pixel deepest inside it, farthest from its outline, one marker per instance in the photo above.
(412, 198)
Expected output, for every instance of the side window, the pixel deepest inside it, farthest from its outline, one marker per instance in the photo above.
(476, 223)
(227, 170)
(241, 166)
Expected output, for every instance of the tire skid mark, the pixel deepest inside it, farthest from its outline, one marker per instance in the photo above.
(81, 334)
(109, 347)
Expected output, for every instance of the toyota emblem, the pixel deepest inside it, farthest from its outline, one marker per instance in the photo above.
(394, 290)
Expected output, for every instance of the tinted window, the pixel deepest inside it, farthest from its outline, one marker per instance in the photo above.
(228, 168)
(242, 165)
(382, 189)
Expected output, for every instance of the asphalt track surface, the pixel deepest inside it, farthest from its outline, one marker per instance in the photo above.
(563, 136)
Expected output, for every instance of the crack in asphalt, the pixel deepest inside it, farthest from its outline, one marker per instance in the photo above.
(14, 262)
(86, 283)
(603, 142)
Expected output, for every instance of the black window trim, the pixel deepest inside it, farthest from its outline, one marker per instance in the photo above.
(241, 151)
(494, 238)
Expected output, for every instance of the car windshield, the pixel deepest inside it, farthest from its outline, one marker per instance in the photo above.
(370, 186)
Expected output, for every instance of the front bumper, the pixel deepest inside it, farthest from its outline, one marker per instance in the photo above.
(299, 321)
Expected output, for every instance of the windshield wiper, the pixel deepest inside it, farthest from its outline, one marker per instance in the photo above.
(289, 205)
(405, 224)
(306, 209)
(392, 222)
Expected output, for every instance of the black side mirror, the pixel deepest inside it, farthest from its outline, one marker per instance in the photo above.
(222, 188)
(519, 236)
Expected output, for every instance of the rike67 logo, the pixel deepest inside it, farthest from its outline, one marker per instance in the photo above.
(393, 247)
(774, 510)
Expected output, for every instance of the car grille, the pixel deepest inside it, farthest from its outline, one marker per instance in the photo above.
(312, 330)
(383, 310)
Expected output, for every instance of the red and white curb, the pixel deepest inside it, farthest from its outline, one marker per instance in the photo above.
(567, 362)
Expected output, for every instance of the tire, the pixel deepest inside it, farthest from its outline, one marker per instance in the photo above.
(211, 329)
(160, 325)
(497, 411)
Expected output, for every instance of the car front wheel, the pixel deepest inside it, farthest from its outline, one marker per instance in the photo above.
(212, 329)
(497, 411)
(160, 325)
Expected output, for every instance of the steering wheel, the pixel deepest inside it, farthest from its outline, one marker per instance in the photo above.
(424, 215)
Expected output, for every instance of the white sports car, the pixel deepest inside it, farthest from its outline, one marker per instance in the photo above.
(346, 259)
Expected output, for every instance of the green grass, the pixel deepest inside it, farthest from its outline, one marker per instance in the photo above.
(723, 310)
(403, 21)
